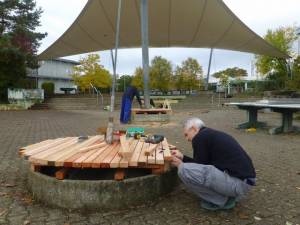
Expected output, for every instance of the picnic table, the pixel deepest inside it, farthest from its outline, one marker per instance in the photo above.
(285, 107)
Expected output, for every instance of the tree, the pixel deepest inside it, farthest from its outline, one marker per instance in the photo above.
(294, 82)
(18, 41)
(179, 79)
(160, 74)
(91, 72)
(234, 72)
(274, 68)
(137, 79)
(224, 82)
(189, 76)
(18, 21)
(123, 82)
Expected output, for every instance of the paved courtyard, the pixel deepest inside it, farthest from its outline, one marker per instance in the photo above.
(275, 200)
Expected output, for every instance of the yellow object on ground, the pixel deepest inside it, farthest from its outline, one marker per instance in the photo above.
(251, 130)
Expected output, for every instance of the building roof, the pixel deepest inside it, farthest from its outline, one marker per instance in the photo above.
(172, 23)
(65, 61)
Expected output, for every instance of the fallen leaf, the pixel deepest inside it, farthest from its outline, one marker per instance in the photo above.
(288, 223)
(298, 188)
(205, 111)
(8, 185)
(243, 216)
(3, 212)
(257, 218)
(26, 222)
(27, 199)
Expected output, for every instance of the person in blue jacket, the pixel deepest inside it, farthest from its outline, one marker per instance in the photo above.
(127, 99)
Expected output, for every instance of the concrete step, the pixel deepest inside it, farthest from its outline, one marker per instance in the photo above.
(39, 106)
(79, 103)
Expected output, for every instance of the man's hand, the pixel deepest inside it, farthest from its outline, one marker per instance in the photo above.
(175, 161)
(177, 154)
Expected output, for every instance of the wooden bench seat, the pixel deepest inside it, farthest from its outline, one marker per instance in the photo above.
(150, 115)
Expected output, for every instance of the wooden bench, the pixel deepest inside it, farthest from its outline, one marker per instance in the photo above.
(67, 153)
(150, 115)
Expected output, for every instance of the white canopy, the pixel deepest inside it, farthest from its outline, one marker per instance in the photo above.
(172, 23)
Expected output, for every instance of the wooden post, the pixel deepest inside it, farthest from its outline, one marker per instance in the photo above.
(62, 173)
(119, 174)
(35, 168)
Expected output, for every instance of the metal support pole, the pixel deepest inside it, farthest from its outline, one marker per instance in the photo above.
(145, 50)
(208, 70)
(110, 126)
(298, 45)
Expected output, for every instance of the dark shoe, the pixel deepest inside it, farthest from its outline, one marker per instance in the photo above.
(213, 207)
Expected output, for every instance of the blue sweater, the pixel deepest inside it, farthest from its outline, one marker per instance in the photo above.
(212, 147)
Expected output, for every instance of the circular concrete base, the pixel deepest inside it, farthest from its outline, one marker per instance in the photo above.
(100, 194)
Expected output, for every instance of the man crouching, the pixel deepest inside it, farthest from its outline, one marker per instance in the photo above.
(220, 172)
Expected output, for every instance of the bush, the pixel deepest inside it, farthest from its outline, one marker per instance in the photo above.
(48, 88)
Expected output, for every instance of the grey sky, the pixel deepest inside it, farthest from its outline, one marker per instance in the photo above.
(259, 15)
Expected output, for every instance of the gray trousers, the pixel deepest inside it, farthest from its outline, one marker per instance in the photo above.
(211, 184)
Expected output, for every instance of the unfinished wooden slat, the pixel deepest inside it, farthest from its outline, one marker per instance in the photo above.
(159, 155)
(69, 162)
(119, 174)
(110, 156)
(172, 147)
(36, 145)
(58, 159)
(97, 162)
(152, 156)
(138, 110)
(124, 162)
(45, 147)
(80, 156)
(84, 152)
(115, 163)
(125, 150)
(136, 154)
(150, 149)
(166, 149)
(21, 152)
(143, 159)
(87, 160)
(41, 158)
(62, 173)
(92, 147)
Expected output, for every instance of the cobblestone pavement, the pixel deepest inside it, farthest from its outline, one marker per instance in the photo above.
(275, 200)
